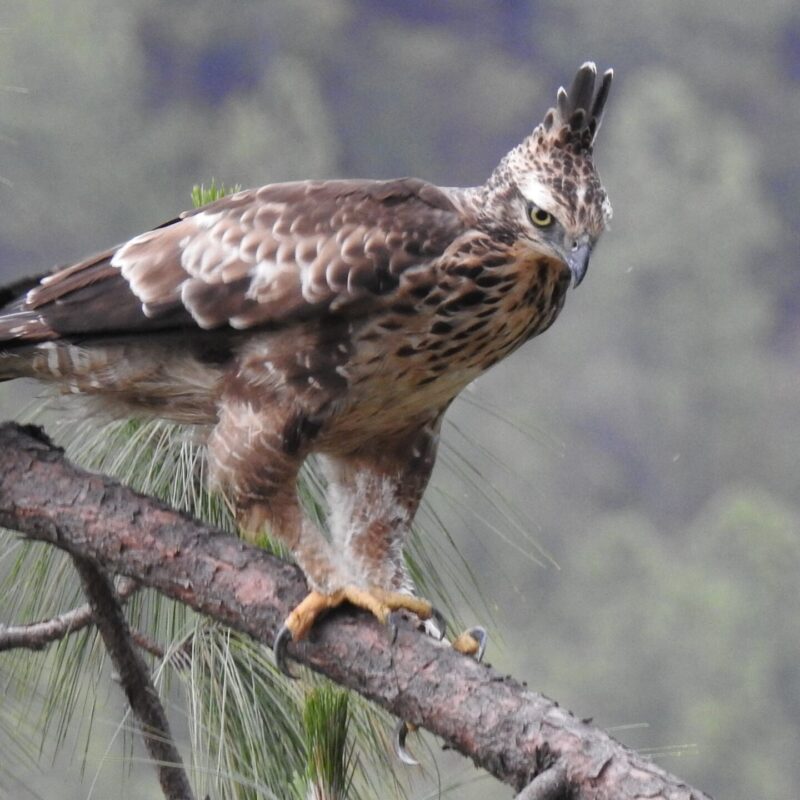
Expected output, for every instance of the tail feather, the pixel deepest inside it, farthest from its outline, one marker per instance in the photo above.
(14, 327)
(15, 320)
(24, 325)
(16, 291)
(18, 325)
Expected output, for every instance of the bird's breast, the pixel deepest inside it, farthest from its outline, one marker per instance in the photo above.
(408, 360)
(416, 357)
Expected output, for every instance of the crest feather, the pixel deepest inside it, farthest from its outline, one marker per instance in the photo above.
(576, 117)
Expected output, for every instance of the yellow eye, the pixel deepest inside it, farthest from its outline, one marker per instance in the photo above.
(540, 218)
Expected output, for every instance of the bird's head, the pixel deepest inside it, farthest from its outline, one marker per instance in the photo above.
(546, 190)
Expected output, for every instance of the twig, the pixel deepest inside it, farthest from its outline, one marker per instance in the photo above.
(490, 718)
(148, 644)
(36, 635)
(135, 679)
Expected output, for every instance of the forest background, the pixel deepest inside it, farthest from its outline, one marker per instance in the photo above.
(637, 543)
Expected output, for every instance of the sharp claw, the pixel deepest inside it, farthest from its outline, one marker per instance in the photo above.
(439, 623)
(481, 637)
(279, 651)
(435, 625)
(391, 624)
(399, 739)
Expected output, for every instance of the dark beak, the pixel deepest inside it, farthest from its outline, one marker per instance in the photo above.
(578, 262)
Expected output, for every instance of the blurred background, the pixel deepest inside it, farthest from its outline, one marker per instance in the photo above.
(635, 529)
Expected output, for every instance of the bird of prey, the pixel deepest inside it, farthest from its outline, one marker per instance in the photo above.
(338, 318)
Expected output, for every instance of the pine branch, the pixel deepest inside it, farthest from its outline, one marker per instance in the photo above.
(36, 635)
(550, 784)
(510, 731)
(134, 678)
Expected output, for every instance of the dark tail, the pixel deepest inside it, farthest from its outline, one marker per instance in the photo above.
(17, 290)
(16, 325)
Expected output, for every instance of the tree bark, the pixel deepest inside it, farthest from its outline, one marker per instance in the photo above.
(505, 728)
(134, 677)
(37, 635)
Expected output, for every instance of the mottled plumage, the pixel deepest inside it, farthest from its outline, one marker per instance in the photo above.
(334, 317)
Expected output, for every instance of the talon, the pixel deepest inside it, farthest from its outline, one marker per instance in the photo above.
(279, 651)
(480, 635)
(399, 737)
(438, 623)
(391, 624)
(472, 642)
(383, 605)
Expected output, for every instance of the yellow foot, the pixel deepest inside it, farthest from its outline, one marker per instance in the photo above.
(472, 643)
(381, 604)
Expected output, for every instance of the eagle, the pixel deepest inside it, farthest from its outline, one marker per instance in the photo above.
(338, 318)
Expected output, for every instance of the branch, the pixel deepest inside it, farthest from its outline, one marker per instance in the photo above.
(135, 679)
(495, 720)
(35, 635)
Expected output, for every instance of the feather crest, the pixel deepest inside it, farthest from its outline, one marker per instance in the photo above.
(576, 117)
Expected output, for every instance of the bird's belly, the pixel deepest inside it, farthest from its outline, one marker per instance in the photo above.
(384, 407)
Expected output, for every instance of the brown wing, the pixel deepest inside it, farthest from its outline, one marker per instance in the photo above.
(262, 257)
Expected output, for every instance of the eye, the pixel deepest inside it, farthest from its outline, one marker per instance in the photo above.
(539, 217)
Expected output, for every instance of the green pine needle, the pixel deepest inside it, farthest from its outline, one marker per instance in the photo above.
(202, 195)
(330, 762)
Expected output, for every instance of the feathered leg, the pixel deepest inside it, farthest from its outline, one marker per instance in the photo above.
(255, 454)
(373, 495)
(254, 458)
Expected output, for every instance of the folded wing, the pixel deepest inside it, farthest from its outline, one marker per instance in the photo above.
(261, 257)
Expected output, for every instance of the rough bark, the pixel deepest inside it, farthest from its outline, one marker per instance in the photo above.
(134, 678)
(505, 728)
(37, 635)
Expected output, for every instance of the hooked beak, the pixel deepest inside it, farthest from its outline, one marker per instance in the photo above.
(578, 262)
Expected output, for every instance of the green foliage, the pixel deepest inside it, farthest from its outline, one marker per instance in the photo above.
(246, 735)
(672, 624)
(202, 194)
(329, 755)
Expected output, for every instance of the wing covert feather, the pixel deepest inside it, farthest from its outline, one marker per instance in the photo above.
(260, 257)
